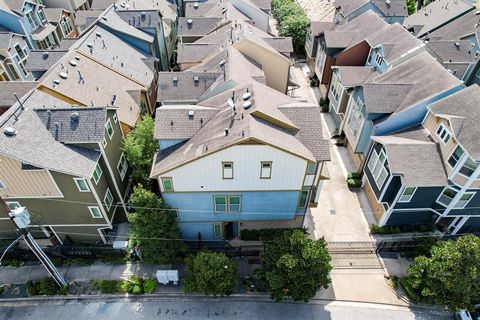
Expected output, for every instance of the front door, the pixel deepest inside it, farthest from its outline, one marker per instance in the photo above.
(228, 231)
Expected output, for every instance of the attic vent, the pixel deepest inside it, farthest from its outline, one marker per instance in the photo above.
(175, 79)
(89, 45)
(191, 114)
(56, 82)
(195, 79)
(74, 116)
(143, 14)
(457, 44)
(246, 96)
(195, 5)
(247, 104)
(77, 58)
(477, 12)
(387, 1)
(224, 10)
(9, 132)
(98, 34)
(104, 18)
(189, 21)
(73, 63)
(63, 75)
(45, 55)
(226, 132)
(222, 63)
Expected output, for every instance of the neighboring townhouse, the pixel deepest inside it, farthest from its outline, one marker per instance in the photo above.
(65, 165)
(436, 15)
(79, 79)
(70, 5)
(8, 90)
(101, 4)
(394, 100)
(193, 28)
(86, 18)
(457, 56)
(390, 10)
(248, 158)
(27, 17)
(251, 42)
(63, 21)
(14, 53)
(430, 174)
(341, 45)
(40, 61)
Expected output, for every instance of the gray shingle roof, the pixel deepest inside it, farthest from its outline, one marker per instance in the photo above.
(458, 28)
(174, 122)
(452, 50)
(185, 88)
(14, 5)
(264, 121)
(407, 84)
(417, 161)
(463, 111)
(396, 8)
(85, 18)
(435, 15)
(33, 143)
(354, 76)
(281, 44)
(200, 26)
(318, 27)
(42, 60)
(111, 19)
(101, 4)
(195, 52)
(151, 19)
(88, 126)
(54, 14)
(5, 39)
(8, 88)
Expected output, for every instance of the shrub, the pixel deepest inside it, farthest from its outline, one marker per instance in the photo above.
(149, 285)
(412, 294)
(1, 290)
(265, 234)
(354, 175)
(375, 229)
(46, 287)
(14, 263)
(395, 280)
(107, 286)
(354, 183)
(133, 285)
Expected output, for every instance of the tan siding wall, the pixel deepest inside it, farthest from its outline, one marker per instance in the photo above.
(377, 207)
(21, 183)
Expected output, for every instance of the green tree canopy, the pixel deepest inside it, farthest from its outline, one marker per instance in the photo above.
(295, 26)
(150, 223)
(211, 273)
(140, 147)
(295, 267)
(451, 276)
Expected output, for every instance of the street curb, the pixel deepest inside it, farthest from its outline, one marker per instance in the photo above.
(233, 297)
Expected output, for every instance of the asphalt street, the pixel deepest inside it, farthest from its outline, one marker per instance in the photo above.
(220, 308)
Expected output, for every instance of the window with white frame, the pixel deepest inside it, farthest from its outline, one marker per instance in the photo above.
(356, 117)
(104, 142)
(443, 133)
(115, 118)
(227, 170)
(464, 200)
(108, 200)
(12, 71)
(167, 184)
(95, 212)
(265, 170)
(41, 15)
(379, 59)
(468, 167)
(21, 53)
(407, 194)
(122, 166)
(447, 196)
(220, 203)
(82, 184)
(377, 168)
(31, 19)
(109, 128)
(97, 173)
(335, 87)
(13, 204)
(455, 157)
(227, 203)
(311, 167)
(66, 25)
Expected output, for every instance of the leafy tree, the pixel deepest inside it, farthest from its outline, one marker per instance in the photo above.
(295, 267)
(150, 225)
(411, 6)
(451, 276)
(295, 26)
(140, 147)
(211, 273)
(287, 9)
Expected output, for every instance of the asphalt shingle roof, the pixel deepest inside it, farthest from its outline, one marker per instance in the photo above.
(151, 19)
(54, 14)
(200, 26)
(463, 111)
(354, 76)
(42, 60)
(458, 28)
(394, 8)
(185, 88)
(8, 88)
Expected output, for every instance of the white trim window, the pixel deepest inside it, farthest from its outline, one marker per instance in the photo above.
(2, 185)
(407, 194)
(41, 15)
(446, 197)
(464, 200)
(82, 184)
(227, 170)
(109, 129)
(95, 212)
(108, 200)
(265, 170)
(455, 157)
(379, 59)
(377, 168)
(13, 204)
(97, 173)
(122, 166)
(335, 87)
(31, 20)
(468, 167)
(104, 143)
(356, 117)
(443, 134)
(115, 118)
(66, 25)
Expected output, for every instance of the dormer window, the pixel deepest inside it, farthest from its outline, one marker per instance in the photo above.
(444, 134)
(379, 60)
(31, 19)
(41, 15)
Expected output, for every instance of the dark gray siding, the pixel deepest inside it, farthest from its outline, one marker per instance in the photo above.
(472, 208)
(414, 217)
(424, 197)
(392, 190)
(377, 147)
(471, 226)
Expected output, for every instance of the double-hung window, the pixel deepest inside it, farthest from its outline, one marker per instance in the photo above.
(311, 167)
(122, 166)
(407, 194)
(82, 184)
(335, 87)
(31, 19)
(109, 128)
(227, 170)
(356, 117)
(265, 170)
(167, 184)
(108, 200)
(377, 168)
(227, 203)
(464, 200)
(468, 167)
(95, 212)
(66, 25)
(455, 157)
(97, 173)
(379, 59)
(447, 196)
(444, 134)
(41, 15)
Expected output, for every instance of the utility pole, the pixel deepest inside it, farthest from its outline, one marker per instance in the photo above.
(21, 218)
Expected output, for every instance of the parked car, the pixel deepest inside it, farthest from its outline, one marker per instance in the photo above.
(463, 315)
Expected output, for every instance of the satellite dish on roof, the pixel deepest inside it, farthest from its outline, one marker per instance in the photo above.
(90, 45)
(189, 21)
(195, 5)
(247, 104)
(9, 132)
(63, 75)
(246, 96)
(73, 63)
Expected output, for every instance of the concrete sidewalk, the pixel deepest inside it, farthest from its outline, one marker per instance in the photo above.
(81, 273)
